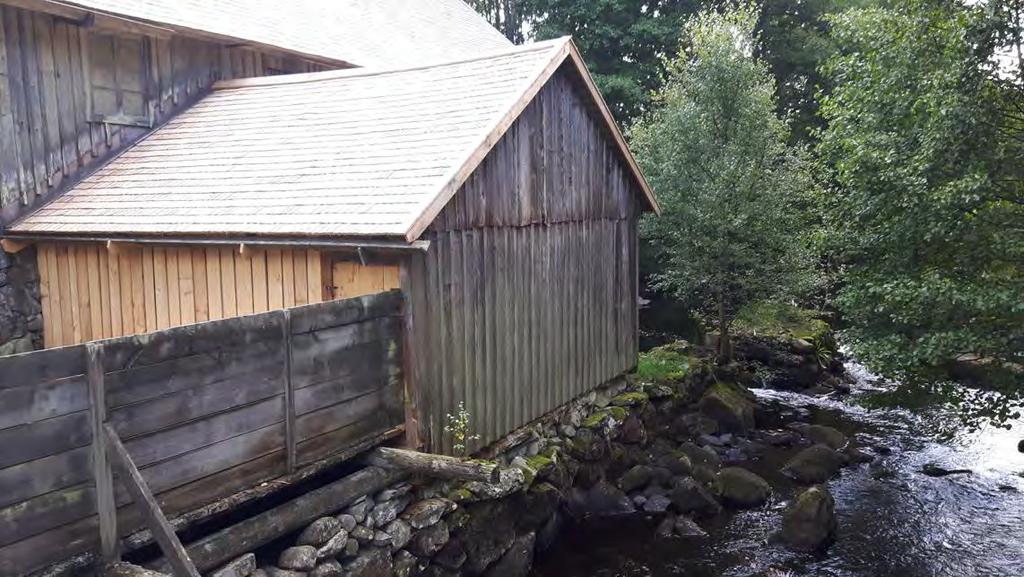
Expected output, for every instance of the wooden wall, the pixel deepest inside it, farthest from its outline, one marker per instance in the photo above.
(203, 411)
(90, 293)
(528, 295)
(354, 279)
(57, 110)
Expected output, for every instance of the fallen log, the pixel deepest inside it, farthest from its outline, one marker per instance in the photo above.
(440, 466)
(216, 549)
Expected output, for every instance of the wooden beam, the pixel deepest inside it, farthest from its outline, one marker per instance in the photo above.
(440, 466)
(12, 246)
(289, 393)
(106, 506)
(226, 544)
(177, 558)
(267, 242)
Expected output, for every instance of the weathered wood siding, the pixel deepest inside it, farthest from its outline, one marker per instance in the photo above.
(89, 292)
(204, 411)
(528, 295)
(71, 95)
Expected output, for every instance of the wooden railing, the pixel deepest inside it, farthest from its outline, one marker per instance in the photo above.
(201, 411)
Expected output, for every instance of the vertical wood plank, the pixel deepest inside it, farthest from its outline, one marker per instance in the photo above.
(160, 287)
(148, 290)
(199, 286)
(275, 282)
(134, 295)
(227, 279)
(74, 296)
(260, 298)
(106, 507)
(289, 393)
(186, 286)
(243, 283)
(92, 272)
(104, 274)
(288, 278)
(214, 286)
(173, 288)
(114, 281)
(299, 270)
(48, 293)
(314, 290)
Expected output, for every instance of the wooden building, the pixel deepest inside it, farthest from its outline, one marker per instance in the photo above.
(496, 191)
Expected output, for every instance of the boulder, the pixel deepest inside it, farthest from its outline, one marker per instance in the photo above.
(633, 431)
(400, 533)
(319, 532)
(348, 522)
(488, 533)
(731, 405)
(742, 489)
(386, 511)
(813, 465)
(359, 509)
(404, 564)
(334, 546)
(1020, 446)
(327, 568)
(517, 560)
(657, 503)
(826, 436)
(686, 527)
(278, 572)
(809, 522)
(426, 542)
(428, 512)
(301, 558)
(688, 496)
(370, 563)
(934, 470)
(122, 569)
(451, 556)
(241, 567)
(636, 478)
(601, 500)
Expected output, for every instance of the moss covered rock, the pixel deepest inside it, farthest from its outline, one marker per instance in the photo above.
(731, 405)
(631, 399)
(742, 489)
(809, 523)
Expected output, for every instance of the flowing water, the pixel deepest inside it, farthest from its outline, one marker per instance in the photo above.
(894, 521)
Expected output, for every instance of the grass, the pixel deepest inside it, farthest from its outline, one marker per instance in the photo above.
(662, 365)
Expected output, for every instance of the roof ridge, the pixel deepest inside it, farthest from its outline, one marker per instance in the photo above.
(286, 79)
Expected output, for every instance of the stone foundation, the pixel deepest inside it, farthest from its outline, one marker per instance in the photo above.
(21, 319)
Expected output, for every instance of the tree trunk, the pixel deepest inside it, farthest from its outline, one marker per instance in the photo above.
(724, 346)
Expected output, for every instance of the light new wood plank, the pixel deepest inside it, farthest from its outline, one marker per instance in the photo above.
(314, 277)
(92, 271)
(116, 305)
(103, 258)
(260, 296)
(173, 288)
(148, 290)
(288, 278)
(200, 286)
(214, 287)
(227, 279)
(50, 295)
(160, 288)
(275, 283)
(74, 297)
(301, 285)
(186, 286)
(244, 283)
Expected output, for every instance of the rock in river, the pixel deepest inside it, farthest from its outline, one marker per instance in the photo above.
(600, 500)
(809, 522)
(731, 405)
(742, 489)
(689, 497)
(815, 464)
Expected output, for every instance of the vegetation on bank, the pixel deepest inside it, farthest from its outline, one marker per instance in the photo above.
(858, 156)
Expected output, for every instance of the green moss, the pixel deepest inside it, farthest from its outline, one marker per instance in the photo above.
(598, 418)
(632, 399)
(733, 395)
(665, 364)
(459, 495)
(781, 320)
(539, 462)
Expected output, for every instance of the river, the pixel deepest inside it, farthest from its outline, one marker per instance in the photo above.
(894, 521)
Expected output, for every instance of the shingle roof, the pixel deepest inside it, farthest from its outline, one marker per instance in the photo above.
(361, 32)
(341, 153)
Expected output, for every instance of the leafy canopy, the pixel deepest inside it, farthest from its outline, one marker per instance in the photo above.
(730, 186)
(925, 140)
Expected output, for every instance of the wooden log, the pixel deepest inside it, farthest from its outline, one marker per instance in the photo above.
(178, 558)
(217, 549)
(440, 466)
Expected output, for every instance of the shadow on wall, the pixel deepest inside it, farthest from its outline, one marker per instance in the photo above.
(21, 320)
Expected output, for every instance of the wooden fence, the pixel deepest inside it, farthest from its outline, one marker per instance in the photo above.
(204, 411)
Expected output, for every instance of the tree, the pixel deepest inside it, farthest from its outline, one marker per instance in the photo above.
(925, 141)
(508, 16)
(624, 42)
(730, 186)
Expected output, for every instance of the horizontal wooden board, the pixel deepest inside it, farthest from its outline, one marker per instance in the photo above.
(31, 403)
(44, 438)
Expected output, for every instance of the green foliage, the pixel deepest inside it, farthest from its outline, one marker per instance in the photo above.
(924, 141)
(458, 426)
(734, 193)
(623, 42)
(662, 365)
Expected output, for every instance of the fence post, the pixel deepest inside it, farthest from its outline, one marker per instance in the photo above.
(106, 507)
(289, 396)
